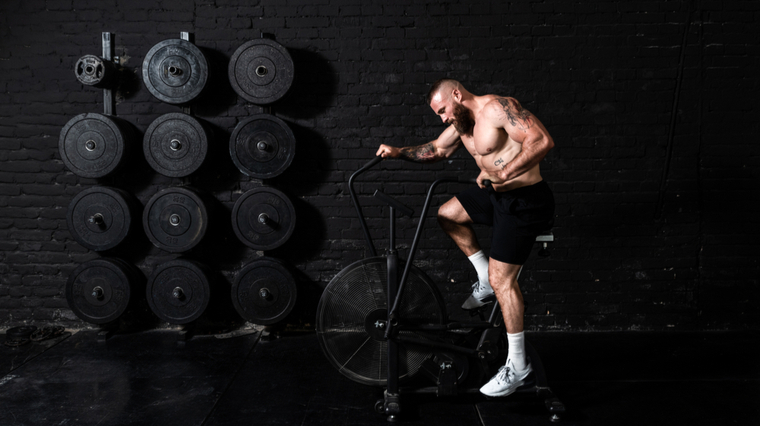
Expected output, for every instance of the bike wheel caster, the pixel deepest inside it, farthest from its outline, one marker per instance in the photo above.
(392, 418)
(554, 418)
(380, 406)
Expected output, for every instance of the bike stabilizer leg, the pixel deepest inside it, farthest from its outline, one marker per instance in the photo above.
(392, 398)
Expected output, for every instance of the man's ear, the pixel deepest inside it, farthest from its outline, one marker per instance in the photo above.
(457, 95)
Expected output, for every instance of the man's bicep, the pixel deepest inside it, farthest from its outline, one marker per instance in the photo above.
(518, 122)
(447, 142)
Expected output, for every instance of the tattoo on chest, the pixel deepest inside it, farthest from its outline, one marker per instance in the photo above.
(500, 163)
(516, 114)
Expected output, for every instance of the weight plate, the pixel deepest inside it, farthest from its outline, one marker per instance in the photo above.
(99, 218)
(178, 291)
(263, 218)
(175, 71)
(92, 145)
(99, 291)
(175, 144)
(262, 146)
(175, 219)
(95, 71)
(264, 292)
(261, 71)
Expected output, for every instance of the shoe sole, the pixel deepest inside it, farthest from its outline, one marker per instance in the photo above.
(504, 393)
(480, 303)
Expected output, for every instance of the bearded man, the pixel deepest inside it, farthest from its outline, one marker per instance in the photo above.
(508, 143)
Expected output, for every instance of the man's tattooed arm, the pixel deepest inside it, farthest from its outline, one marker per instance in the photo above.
(424, 153)
(516, 114)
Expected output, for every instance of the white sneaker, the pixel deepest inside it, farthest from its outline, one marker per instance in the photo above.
(481, 294)
(506, 381)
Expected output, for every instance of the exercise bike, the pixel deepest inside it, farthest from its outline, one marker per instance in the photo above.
(383, 330)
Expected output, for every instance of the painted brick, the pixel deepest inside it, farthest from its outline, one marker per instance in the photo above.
(600, 75)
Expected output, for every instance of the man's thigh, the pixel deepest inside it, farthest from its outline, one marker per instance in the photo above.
(477, 204)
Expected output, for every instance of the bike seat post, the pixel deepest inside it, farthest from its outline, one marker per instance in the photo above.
(392, 235)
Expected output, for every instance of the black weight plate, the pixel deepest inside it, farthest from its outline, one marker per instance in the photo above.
(99, 291)
(264, 292)
(175, 144)
(175, 219)
(92, 145)
(95, 71)
(99, 218)
(263, 218)
(262, 146)
(178, 291)
(261, 71)
(175, 71)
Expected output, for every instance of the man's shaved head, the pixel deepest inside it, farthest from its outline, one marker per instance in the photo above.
(444, 86)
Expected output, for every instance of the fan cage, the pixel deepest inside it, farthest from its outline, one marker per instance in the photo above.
(361, 289)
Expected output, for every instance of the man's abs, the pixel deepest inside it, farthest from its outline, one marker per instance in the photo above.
(498, 160)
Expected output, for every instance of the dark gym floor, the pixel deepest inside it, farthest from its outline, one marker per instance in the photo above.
(146, 378)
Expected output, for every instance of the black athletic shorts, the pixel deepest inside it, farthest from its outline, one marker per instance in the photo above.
(517, 217)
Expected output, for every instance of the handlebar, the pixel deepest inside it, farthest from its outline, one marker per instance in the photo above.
(372, 162)
(489, 185)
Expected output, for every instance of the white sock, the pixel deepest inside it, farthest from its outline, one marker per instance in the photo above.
(480, 262)
(516, 351)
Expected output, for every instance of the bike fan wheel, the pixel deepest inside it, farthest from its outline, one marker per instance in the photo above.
(354, 301)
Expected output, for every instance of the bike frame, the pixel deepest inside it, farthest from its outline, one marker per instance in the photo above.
(396, 287)
(491, 329)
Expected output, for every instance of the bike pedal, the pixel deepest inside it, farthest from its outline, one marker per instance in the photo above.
(480, 311)
(530, 382)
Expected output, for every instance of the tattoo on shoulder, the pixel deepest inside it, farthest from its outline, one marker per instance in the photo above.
(421, 153)
(516, 114)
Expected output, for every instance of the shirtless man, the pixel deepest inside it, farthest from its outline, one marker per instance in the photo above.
(508, 143)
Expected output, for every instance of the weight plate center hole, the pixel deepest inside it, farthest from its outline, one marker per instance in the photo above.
(175, 71)
(264, 219)
(90, 145)
(98, 220)
(175, 220)
(261, 71)
(175, 145)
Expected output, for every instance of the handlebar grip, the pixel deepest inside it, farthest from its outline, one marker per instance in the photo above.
(468, 180)
(373, 162)
(489, 185)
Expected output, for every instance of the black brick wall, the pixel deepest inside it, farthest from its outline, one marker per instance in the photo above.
(603, 76)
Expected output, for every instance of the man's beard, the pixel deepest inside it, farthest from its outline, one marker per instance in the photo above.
(463, 122)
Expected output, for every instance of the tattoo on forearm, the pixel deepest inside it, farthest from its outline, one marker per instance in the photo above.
(422, 153)
(516, 114)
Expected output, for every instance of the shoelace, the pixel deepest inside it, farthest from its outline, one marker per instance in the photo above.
(503, 375)
(477, 288)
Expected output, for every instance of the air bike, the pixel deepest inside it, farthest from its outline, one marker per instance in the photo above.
(382, 321)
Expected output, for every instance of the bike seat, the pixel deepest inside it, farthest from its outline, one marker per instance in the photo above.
(390, 201)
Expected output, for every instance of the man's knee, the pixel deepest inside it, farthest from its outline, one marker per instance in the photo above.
(453, 211)
(503, 275)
